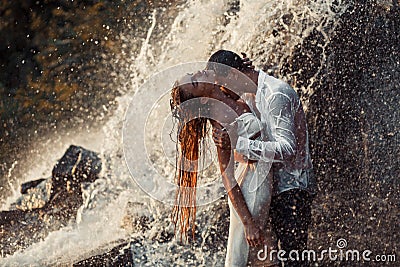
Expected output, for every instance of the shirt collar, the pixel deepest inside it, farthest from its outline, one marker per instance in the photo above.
(260, 85)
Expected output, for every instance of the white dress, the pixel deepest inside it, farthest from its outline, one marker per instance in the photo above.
(255, 182)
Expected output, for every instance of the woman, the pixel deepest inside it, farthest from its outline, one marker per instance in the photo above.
(196, 100)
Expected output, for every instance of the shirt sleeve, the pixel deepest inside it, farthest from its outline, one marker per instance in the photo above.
(279, 112)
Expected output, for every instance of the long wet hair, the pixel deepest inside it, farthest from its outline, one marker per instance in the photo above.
(191, 132)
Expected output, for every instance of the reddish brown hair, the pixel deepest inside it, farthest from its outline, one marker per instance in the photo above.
(191, 131)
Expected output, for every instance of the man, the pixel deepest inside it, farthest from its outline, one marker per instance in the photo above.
(284, 126)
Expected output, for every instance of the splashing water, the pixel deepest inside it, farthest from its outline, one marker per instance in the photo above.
(268, 30)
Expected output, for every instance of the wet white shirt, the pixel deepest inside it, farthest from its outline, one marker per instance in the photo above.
(285, 135)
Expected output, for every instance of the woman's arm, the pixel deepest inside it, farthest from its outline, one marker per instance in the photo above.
(253, 232)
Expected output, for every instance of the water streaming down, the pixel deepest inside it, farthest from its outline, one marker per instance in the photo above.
(271, 32)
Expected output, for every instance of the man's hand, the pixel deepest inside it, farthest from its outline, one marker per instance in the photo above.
(246, 61)
(226, 137)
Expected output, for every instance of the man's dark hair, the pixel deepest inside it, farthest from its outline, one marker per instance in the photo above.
(222, 60)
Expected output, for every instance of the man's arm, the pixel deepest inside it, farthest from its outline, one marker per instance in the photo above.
(280, 111)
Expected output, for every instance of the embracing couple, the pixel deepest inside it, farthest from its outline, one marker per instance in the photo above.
(260, 132)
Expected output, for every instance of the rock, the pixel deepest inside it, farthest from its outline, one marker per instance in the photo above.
(36, 196)
(30, 184)
(353, 119)
(76, 166)
(120, 255)
(48, 204)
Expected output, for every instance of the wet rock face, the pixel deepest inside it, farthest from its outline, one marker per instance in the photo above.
(31, 184)
(57, 69)
(78, 165)
(354, 124)
(33, 220)
(121, 255)
(35, 194)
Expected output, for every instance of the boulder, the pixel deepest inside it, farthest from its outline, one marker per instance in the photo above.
(120, 255)
(30, 184)
(76, 166)
(35, 196)
(48, 204)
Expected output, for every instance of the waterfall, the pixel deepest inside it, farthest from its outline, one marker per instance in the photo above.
(270, 32)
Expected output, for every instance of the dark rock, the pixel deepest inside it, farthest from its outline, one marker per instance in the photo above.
(21, 228)
(30, 184)
(120, 255)
(34, 197)
(353, 119)
(76, 166)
